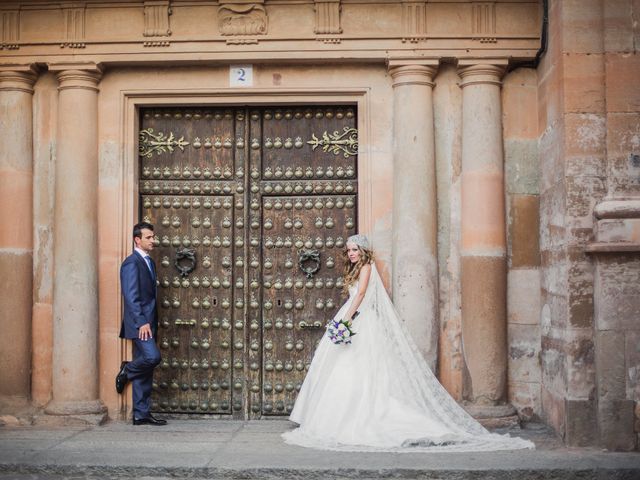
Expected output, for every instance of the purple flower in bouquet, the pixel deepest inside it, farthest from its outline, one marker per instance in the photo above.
(340, 331)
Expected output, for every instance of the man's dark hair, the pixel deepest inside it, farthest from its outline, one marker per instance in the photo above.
(137, 229)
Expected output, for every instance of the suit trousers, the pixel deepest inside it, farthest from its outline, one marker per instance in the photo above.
(146, 356)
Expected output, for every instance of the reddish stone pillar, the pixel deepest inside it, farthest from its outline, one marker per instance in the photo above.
(75, 291)
(414, 244)
(484, 272)
(16, 233)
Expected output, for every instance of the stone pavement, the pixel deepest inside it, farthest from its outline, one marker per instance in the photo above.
(225, 449)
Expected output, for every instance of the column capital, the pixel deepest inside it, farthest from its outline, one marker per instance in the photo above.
(480, 72)
(74, 75)
(412, 72)
(18, 78)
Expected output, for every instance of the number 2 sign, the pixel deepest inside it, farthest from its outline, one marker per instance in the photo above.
(241, 75)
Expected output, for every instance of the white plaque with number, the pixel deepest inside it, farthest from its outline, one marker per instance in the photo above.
(241, 75)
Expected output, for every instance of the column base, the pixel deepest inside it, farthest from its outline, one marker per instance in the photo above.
(91, 412)
(494, 416)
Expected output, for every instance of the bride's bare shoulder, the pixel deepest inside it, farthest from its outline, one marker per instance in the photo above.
(365, 271)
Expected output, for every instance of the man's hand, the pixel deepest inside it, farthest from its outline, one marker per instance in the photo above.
(144, 333)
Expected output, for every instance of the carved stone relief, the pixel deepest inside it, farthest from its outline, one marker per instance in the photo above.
(484, 22)
(239, 17)
(156, 18)
(414, 21)
(74, 25)
(9, 29)
(327, 16)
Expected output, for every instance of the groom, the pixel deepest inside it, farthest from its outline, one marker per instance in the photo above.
(140, 324)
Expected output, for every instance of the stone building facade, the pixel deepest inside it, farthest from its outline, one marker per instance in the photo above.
(490, 149)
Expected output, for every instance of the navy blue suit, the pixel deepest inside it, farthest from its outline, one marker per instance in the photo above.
(138, 285)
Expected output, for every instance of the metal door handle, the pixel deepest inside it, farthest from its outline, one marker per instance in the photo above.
(191, 322)
(316, 324)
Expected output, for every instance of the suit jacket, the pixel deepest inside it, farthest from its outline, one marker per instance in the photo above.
(139, 294)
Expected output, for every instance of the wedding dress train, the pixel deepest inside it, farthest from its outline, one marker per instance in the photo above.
(378, 394)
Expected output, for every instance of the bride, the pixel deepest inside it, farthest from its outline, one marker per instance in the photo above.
(377, 392)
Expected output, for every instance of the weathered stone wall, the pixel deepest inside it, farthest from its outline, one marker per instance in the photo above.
(520, 125)
(589, 131)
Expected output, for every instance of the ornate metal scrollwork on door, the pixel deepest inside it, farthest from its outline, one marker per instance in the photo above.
(158, 142)
(185, 261)
(309, 261)
(345, 142)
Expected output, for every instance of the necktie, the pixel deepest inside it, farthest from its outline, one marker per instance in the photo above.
(151, 268)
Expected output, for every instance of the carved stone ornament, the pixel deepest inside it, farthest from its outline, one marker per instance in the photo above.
(74, 25)
(242, 18)
(156, 18)
(10, 29)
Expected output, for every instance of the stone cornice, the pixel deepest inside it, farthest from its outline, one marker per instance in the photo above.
(18, 78)
(165, 31)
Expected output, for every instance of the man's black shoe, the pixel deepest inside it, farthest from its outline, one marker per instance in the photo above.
(121, 378)
(150, 420)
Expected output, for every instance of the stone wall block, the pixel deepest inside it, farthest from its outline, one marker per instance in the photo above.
(611, 374)
(553, 364)
(551, 156)
(580, 293)
(618, 26)
(550, 97)
(581, 368)
(523, 296)
(583, 192)
(553, 410)
(581, 424)
(632, 366)
(522, 167)
(622, 72)
(552, 207)
(584, 83)
(618, 230)
(588, 166)
(524, 353)
(624, 180)
(616, 421)
(554, 278)
(582, 26)
(523, 231)
(618, 292)
(623, 152)
(520, 104)
(526, 397)
(585, 134)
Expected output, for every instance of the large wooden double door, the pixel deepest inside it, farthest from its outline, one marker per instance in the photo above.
(252, 207)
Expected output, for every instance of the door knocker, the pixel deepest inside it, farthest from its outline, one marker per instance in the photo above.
(309, 262)
(185, 261)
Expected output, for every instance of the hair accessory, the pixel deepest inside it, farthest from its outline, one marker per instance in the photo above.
(360, 240)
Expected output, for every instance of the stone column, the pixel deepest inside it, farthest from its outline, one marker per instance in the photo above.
(75, 291)
(16, 233)
(414, 247)
(483, 249)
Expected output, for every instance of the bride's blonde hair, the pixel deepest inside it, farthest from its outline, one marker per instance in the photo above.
(352, 270)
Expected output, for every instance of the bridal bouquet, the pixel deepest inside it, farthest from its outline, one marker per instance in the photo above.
(340, 331)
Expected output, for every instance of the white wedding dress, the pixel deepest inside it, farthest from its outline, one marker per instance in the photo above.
(378, 394)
